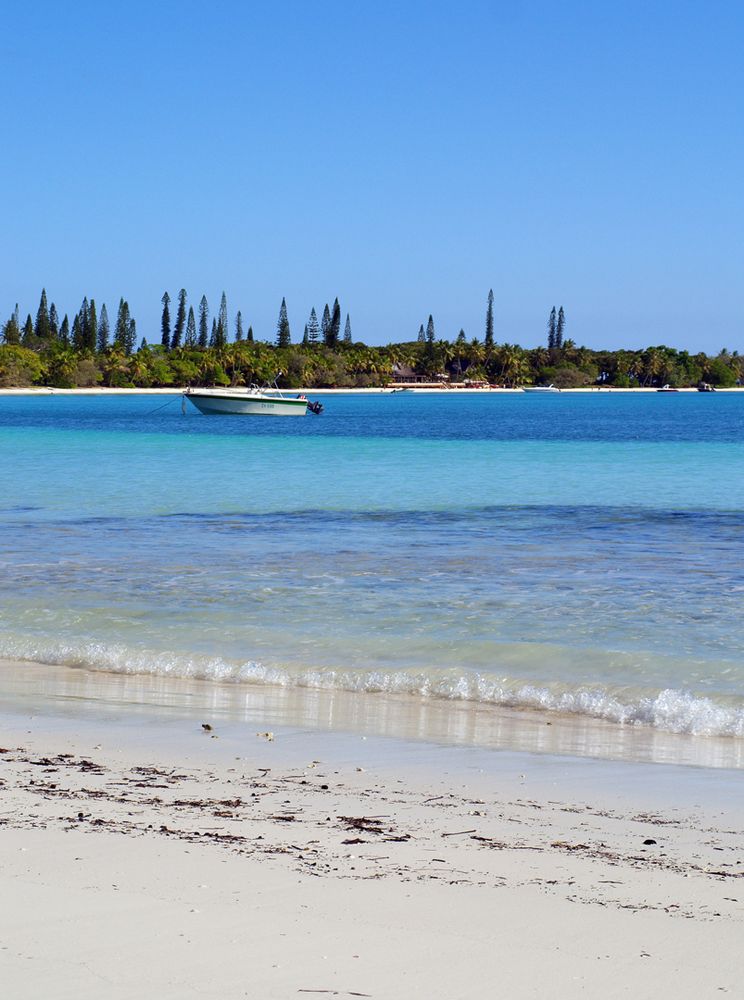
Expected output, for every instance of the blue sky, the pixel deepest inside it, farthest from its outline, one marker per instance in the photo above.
(405, 157)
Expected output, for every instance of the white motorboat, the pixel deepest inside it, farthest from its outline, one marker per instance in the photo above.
(251, 401)
(540, 388)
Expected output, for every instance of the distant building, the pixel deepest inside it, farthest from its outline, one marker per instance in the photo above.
(406, 374)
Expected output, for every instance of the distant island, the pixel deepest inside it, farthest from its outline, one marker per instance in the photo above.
(47, 351)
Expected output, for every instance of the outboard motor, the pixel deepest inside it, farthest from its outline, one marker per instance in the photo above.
(316, 408)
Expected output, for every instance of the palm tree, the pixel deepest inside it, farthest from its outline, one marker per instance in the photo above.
(651, 365)
(114, 364)
(540, 357)
(513, 364)
(61, 365)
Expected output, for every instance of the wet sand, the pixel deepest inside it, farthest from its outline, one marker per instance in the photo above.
(144, 854)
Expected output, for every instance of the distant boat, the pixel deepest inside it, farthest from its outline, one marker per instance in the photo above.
(251, 401)
(705, 387)
(540, 388)
(667, 388)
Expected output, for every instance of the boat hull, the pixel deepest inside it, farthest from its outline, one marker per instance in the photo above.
(247, 405)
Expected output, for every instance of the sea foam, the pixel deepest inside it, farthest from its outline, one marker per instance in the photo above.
(670, 710)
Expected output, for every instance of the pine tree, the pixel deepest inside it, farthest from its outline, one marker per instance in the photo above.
(213, 334)
(191, 329)
(313, 327)
(84, 326)
(92, 335)
(283, 338)
(430, 338)
(165, 325)
(53, 322)
(42, 318)
(347, 330)
(131, 334)
(551, 330)
(249, 335)
(11, 330)
(305, 337)
(64, 332)
(28, 337)
(222, 330)
(489, 321)
(178, 329)
(203, 322)
(121, 330)
(325, 325)
(335, 324)
(461, 340)
(77, 334)
(421, 338)
(103, 330)
(559, 328)
(239, 326)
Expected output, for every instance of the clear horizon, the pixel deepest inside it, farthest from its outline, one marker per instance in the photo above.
(404, 159)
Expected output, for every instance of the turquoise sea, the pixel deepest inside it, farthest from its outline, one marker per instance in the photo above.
(572, 553)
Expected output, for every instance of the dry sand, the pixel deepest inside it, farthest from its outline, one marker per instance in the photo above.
(188, 863)
(41, 390)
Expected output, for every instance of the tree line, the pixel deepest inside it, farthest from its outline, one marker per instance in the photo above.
(195, 348)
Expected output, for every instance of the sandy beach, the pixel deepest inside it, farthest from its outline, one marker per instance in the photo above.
(40, 390)
(164, 856)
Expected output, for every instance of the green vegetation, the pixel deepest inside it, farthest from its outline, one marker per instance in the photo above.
(86, 353)
(488, 340)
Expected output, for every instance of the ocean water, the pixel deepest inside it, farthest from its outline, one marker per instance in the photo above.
(573, 553)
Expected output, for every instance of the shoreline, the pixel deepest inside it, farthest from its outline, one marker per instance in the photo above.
(233, 864)
(432, 725)
(384, 390)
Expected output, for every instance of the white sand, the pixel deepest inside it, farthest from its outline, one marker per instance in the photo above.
(449, 390)
(163, 860)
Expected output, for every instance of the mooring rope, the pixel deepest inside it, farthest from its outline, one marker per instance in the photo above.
(158, 408)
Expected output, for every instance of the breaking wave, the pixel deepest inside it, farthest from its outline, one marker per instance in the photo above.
(671, 710)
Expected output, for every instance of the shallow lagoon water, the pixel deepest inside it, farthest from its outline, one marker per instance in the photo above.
(571, 554)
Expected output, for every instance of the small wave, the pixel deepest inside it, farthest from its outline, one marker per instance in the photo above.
(671, 710)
